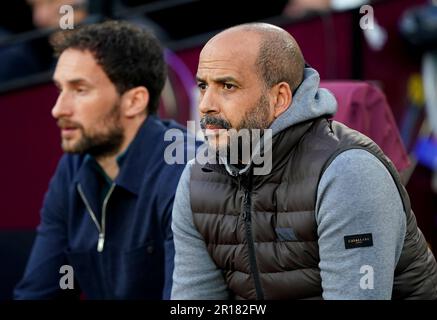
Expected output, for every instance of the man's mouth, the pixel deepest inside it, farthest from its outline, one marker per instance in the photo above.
(213, 127)
(67, 131)
(67, 127)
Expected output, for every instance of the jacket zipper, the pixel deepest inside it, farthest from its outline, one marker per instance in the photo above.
(250, 242)
(100, 227)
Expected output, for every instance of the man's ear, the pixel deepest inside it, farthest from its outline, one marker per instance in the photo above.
(135, 101)
(282, 98)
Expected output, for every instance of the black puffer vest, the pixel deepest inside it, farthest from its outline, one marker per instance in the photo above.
(239, 218)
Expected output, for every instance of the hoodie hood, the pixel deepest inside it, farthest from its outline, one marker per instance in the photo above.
(309, 102)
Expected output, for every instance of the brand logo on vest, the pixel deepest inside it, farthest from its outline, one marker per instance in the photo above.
(358, 240)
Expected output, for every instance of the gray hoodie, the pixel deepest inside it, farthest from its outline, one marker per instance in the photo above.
(356, 195)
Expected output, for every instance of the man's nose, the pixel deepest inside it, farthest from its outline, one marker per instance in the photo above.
(209, 103)
(63, 106)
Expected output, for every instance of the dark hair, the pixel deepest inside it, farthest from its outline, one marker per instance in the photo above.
(129, 55)
(279, 56)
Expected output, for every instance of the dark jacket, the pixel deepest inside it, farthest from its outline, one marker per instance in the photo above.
(136, 260)
(261, 230)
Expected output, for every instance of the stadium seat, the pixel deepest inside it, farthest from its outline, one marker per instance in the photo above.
(363, 106)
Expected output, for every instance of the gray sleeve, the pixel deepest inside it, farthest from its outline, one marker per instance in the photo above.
(195, 275)
(356, 196)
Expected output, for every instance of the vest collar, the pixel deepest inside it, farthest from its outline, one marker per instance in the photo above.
(282, 145)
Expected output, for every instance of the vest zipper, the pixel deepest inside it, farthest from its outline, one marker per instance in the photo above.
(100, 227)
(251, 245)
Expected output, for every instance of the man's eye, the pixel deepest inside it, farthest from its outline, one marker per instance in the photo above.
(80, 90)
(228, 86)
(201, 86)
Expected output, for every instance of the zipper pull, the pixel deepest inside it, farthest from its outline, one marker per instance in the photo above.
(100, 242)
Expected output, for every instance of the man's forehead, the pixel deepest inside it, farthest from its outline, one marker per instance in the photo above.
(78, 64)
(229, 53)
(214, 72)
(76, 57)
(220, 69)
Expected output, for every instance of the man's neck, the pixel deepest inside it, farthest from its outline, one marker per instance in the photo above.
(109, 165)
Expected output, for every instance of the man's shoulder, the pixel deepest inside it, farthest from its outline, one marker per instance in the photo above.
(169, 143)
(65, 174)
(172, 124)
(159, 133)
(359, 170)
(358, 161)
(161, 126)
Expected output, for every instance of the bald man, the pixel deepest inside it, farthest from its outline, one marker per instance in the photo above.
(329, 220)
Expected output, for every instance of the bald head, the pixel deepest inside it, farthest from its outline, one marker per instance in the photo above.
(278, 57)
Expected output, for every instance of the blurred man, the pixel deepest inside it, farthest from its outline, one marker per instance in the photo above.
(34, 56)
(107, 212)
(45, 13)
(329, 220)
(297, 8)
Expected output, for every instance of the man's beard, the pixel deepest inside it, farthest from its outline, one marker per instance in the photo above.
(254, 118)
(98, 144)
